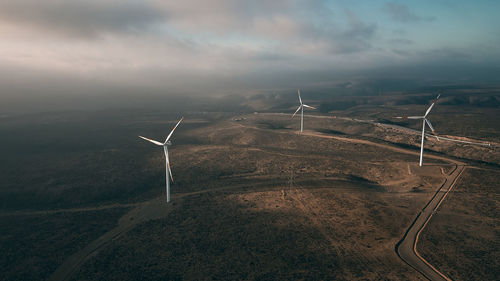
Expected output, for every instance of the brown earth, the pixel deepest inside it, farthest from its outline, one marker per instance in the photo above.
(462, 240)
(292, 206)
(255, 199)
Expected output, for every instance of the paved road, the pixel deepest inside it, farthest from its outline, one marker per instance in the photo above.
(407, 247)
(399, 128)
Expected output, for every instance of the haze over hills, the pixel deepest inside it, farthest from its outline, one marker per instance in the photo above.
(100, 54)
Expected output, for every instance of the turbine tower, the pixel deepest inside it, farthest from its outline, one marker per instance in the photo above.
(301, 108)
(424, 122)
(167, 164)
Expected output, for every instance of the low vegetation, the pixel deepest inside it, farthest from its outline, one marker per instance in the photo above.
(259, 200)
(34, 245)
(461, 240)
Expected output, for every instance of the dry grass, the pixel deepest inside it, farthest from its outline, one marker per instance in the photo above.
(462, 239)
(355, 191)
(34, 245)
(347, 207)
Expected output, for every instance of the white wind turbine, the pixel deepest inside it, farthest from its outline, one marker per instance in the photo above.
(425, 121)
(301, 108)
(165, 149)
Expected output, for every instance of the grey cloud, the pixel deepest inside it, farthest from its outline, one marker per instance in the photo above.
(287, 21)
(445, 54)
(331, 38)
(198, 47)
(401, 41)
(402, 53)
(81, 18)
(223, 17)
(271, 56)
(401, 13)
(357, 36)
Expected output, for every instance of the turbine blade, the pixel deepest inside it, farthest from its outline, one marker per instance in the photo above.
(408, 117)
(170, 171)
(429, 124)
(432, 128)
(308, 106)
(432, 105)
(169, 135)
(296, 111)
(429, 110)
(168, 164)
(153, 141)
(298, 91)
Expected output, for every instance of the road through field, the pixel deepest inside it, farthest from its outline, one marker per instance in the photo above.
(399, 128)
(407, 247)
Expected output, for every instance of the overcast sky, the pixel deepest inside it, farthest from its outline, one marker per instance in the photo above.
(226, 46)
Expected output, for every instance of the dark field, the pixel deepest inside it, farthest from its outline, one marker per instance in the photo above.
(63, 160)
(252, 198)
(310, 234)
(34, 245)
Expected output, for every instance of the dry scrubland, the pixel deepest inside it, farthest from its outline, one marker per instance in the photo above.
(311, 234)
(471, 124)
(75, 159)
(252, 198)
(348, 205)
(462, 240)
(34, 245)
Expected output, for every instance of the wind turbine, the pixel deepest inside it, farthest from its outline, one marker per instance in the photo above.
(301, 108)
(165, 149)
(424, 122)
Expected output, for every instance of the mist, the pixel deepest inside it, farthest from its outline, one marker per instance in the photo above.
(113, 54)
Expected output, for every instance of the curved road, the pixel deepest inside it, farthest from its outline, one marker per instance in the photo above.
(407, 247)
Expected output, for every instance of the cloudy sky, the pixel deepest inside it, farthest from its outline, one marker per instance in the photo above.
(225, 46)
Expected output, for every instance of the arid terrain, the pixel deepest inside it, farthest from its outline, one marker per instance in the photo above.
(252, 197)
(293, 206)
(462, 239)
